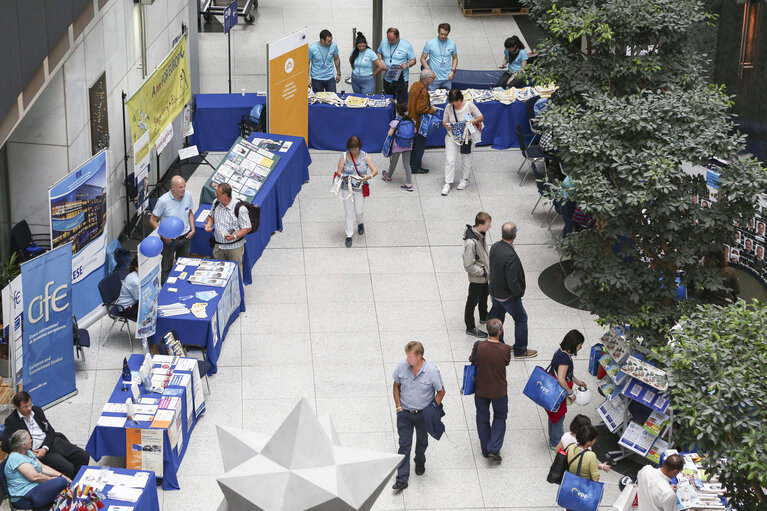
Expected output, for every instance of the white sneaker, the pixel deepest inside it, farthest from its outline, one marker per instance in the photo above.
(462, 185)
(446, 189)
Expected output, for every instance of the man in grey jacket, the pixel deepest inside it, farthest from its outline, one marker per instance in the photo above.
(476, 261)
(507, 287)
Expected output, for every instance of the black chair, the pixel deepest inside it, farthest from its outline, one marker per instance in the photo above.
(530, 110)
(109, 289)
(4, 485)
(543, 184)
(172, 345)
(81, 338)
(23, 243)
(530, 152)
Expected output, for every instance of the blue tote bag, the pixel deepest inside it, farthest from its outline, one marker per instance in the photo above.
(470, 374)
(544, 389)
(579, 494)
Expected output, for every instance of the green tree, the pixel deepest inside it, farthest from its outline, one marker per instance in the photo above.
(716, 363)
(633, 107)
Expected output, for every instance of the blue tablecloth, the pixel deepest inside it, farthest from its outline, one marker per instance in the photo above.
(500, 120)
(274, 198)
(474, 79)
(148, 500)
(331, 126)
(110, 441)
(217, 118)
(200, 331)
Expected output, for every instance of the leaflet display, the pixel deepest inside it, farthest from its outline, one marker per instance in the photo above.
(246, 167)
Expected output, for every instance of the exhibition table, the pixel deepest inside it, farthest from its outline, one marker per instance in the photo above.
(146, 502)
(274, 198)
(110, 440)
(500, 121)
(217, 117)
(473, 79)
(207, 332)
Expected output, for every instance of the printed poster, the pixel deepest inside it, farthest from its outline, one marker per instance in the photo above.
(287, 75)
(141, 171)
(149, 272)
(143, 450)
(13, 310)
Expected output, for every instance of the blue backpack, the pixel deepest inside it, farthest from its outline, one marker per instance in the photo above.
(405, 133)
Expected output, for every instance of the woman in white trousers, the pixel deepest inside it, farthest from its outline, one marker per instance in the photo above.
(456, 120)
(355, 168)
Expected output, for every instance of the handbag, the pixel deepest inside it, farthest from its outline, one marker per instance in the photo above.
(559, 466)
(365, 186)
(579, 494)
(544, 389)
(470, 374)
(387, 146)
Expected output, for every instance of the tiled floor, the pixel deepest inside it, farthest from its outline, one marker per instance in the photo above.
(329, 323)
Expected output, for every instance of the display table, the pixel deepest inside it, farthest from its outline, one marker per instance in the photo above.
(500, 121)
(146, 502)
(274, 198)
(217, 118)
(208, 332)
(110, 440)
(473, 79)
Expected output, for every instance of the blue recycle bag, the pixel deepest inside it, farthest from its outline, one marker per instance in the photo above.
(429, 123)
(470, 374)
(594, 356)
(579, 494)
(386, 149)
(544, 389)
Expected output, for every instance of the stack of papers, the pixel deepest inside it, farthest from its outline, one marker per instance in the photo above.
(111, 422)
(124, 493)
(198, 309)
(172, 309)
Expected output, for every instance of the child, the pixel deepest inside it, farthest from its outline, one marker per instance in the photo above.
(569, 438)
(401, 145)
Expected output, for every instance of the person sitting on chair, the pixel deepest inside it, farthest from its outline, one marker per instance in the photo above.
(130, 292)
(31, 484)
(47, 444)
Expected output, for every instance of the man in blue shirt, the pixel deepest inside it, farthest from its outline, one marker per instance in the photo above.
(416, 384)
(323, 57)
(176, 202)
(396, 53)
(441, 56)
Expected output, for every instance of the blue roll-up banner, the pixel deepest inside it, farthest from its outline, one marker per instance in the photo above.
(79, 215)
(49, 364)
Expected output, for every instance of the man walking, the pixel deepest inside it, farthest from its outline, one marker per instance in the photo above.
(416, 384)
(491, 358)
(176, 202)
(418, 104)
(232, 224)
(323, 56)
(507, 287)
(476, 262)
(441, 56)
(654, 490)
(396, 53)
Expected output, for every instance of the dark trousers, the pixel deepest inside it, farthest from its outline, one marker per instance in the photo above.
(491, 436)
(65, 457)
(416, 155)
(517, 311)
(477, 298)
(170, 251)
(504, 83)
(131, 312)
(406, 423)
(41, 497)
(324, 85)
(397, 89)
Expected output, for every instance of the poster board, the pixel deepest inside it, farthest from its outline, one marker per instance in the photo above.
(143, 448)
(149, 272)
(286, 77)
(13, 312)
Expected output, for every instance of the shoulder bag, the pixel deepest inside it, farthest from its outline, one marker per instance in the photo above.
(465, 146)
(470, 373)
(365, 185)
(560, 465)
(544, 389)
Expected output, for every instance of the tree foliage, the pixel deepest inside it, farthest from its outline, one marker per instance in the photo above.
(716, 361)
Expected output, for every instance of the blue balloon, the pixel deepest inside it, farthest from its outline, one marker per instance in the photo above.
(171, 227)
(151, 246)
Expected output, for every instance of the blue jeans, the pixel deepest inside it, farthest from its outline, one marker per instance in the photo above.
(416, 156)
(491, 437)
(441, 84)
(517, 311)
(324, 85)
(406, 423)
(41, 497)
(556, 430)
(363, 84)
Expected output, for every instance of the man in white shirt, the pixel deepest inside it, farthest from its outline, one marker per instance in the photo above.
(654, 492)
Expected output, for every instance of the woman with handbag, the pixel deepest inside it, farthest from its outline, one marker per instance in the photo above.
(403, 131)
(583, 462)
(458, 118)
(355, 169)
(562, 369)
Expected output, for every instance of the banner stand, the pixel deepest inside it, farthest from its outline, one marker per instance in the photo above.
(59, 400)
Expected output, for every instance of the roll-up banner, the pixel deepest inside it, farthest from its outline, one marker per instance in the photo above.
(49, 364)
(287, 76)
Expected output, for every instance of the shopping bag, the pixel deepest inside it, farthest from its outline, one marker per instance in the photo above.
(429, 123)
(579, 494)
(387, 145)
(544, 389)
(335, 188)
(470, 374)
(596, 354)
(560, 465)
(627, 500)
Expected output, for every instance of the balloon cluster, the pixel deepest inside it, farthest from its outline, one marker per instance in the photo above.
(171, 228)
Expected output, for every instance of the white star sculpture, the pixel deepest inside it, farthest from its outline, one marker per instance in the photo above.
(302, 466)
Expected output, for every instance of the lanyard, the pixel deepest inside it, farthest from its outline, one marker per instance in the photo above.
(392, 50)
(325, 58)
(442, 51)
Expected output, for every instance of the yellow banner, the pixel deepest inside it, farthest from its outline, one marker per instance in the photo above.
(162, 96)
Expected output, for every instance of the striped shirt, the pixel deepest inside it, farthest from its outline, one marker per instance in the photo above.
(227, 223)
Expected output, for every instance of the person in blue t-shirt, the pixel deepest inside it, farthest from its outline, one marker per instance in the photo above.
(323, 57)
(31, 484)
(396, 53)
(365, 66)
(514, 59)
(441, 56)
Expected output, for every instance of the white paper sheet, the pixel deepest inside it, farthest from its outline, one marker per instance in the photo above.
(111, 422)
